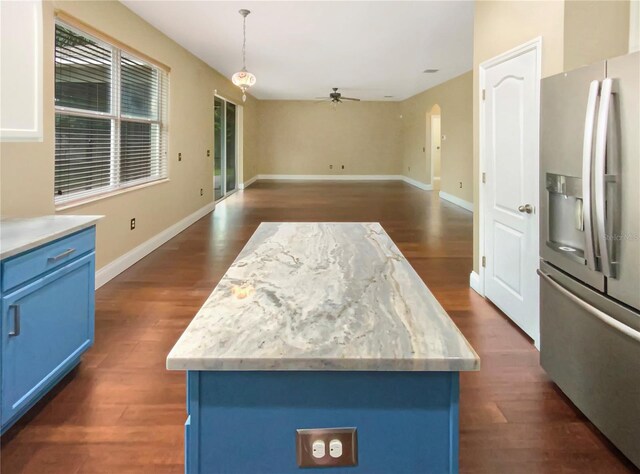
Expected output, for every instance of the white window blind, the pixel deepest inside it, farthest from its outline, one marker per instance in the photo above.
(111, 110)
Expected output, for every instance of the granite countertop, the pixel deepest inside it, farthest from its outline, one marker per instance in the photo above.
(20, 235)
(322, 296)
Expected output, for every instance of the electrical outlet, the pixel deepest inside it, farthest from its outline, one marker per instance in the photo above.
(179, 156)
(208, 152)
(330, 167)
(424, 149)
(133, 223)
(327, 447)
(460, 184)
(318, 449)
(342, 166)
(201, 192)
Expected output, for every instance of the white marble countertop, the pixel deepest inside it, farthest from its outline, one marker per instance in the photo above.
(20, 235)
(322, 296)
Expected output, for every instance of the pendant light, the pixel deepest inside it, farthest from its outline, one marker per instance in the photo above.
(244, 79)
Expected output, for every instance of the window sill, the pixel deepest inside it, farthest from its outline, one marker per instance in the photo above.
(98, 197)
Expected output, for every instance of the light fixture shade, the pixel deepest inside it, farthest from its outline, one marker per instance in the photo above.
(243, 79)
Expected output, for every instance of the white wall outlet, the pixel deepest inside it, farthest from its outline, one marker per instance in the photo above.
(326, 447)
(335, 448)
(318, 449)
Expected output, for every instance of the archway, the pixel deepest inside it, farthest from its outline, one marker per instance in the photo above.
(435, 136)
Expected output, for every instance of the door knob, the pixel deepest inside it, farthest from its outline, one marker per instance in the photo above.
(528, 208)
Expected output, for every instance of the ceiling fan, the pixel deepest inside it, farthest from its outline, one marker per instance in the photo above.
(336, 97)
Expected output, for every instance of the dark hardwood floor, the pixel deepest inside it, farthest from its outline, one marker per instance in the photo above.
(121, 411)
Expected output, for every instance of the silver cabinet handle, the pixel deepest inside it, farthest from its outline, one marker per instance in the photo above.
(16, 320)
(528, 208)
(604, 317)
(600, 185)
(587, 155)
(66, 253)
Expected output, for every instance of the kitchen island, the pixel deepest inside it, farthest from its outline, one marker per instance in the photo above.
(321, 325)
(47, 287)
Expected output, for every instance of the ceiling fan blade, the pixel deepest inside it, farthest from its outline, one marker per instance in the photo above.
(350, 98)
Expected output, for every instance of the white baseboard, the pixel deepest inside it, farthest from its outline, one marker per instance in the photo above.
(457, 201)
(120, 264)
(331, 177)
(417, 184)
(474, 283)
(248, 183)
(339, 177)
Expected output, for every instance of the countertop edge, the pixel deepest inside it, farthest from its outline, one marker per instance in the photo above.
(318, 365)
(90, 220)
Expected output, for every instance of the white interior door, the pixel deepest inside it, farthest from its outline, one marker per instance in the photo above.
(509, 139)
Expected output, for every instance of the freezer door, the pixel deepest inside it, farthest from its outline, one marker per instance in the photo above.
(563, 230)
(590, 347)
(625, 72)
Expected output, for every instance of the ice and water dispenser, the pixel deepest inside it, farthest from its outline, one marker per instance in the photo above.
(566, 224)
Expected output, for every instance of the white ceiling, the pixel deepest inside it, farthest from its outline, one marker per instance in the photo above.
(299, 50)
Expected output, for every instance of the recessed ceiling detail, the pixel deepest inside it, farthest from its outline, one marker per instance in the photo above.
(299, 50)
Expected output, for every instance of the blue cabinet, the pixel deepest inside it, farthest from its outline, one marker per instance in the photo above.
(47, 318)
(245, 421)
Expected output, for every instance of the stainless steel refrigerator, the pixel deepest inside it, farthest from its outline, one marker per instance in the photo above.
(590, 243)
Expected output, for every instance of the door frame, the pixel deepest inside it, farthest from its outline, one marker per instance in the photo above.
(431, 116)
(239, 148)
(533, 45)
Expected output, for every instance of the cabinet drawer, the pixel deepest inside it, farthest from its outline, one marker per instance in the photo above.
(25, 267)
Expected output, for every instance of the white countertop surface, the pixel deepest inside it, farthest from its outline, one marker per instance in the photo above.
(322, 296)
(20, 235)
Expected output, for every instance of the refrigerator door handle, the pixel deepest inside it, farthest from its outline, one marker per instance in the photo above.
(600, 178)
(587, 157)
(602, 316)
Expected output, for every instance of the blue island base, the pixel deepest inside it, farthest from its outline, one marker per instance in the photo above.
(245, 422)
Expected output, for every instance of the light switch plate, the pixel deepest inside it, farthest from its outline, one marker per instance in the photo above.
(305, 438)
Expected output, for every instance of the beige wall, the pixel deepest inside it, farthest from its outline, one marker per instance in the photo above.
(304, 137)
(293, 137)
(455, 99)
(503, 25)
(594, 30)
(27, 169)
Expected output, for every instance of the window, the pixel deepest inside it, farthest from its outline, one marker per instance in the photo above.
(110, 117)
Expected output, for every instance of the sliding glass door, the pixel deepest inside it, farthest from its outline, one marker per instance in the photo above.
(225, 157)
(231, 153)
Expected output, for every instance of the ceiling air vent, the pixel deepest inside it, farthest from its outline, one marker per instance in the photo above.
(430, 71)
